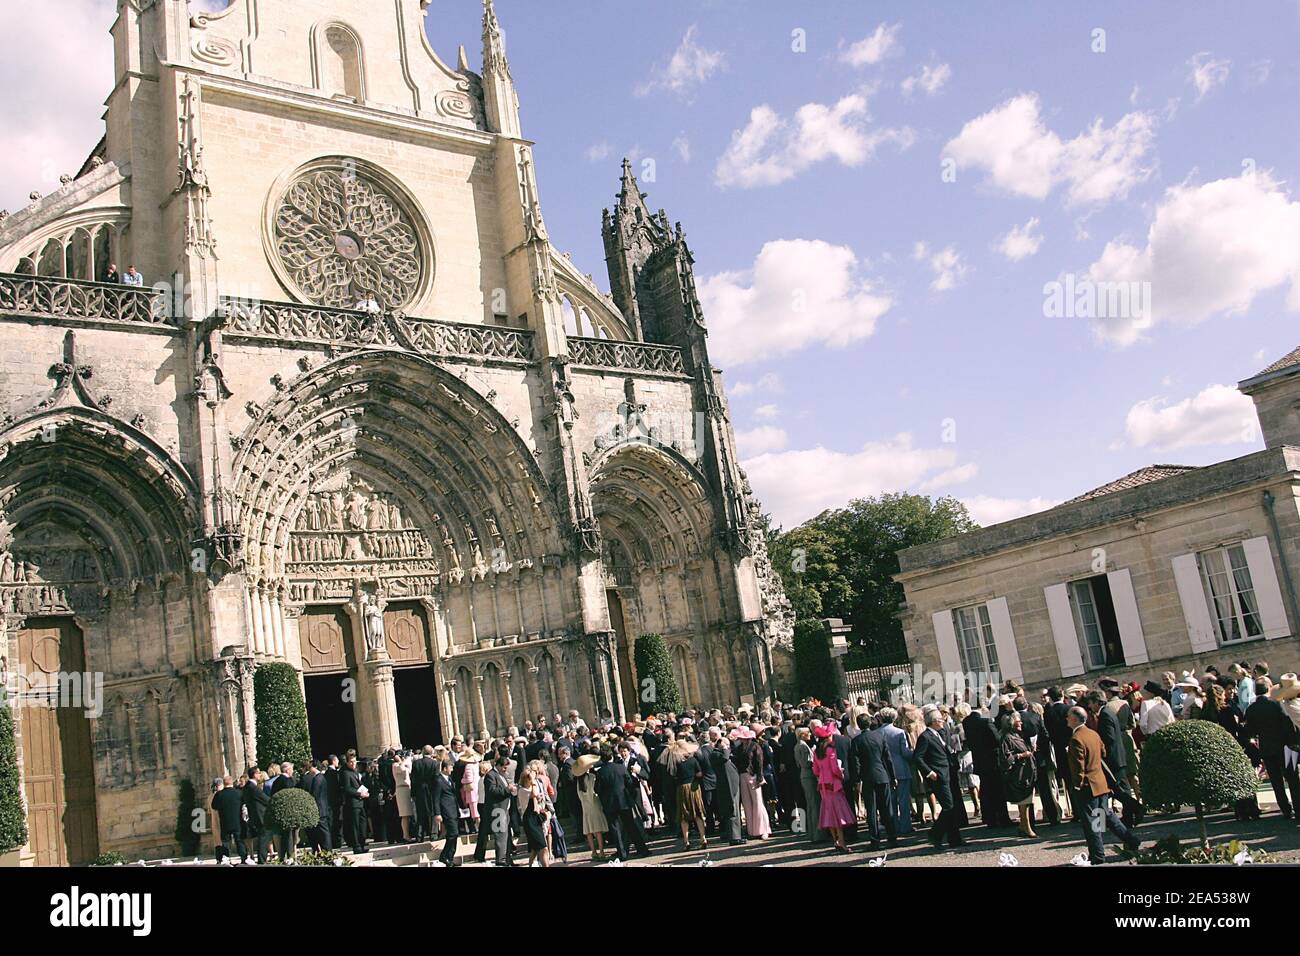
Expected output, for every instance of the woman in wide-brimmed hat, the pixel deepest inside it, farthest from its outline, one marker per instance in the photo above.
(688, 773)
(835, 812)
(594, 824)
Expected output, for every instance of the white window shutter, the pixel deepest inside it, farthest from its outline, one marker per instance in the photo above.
(1063, 632)
(946, 637)
(1005, 639)
(1126, 616)
(1196, 610)
(1268, 595)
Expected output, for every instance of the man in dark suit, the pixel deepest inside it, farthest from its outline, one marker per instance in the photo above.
(446, 809)
(1111, 732)
(614, 788)
(1058, 733)
(354, 806)
(334, 782)
(727, 796)
(1088, 777)
(316, 783)
(931, 759)
(1269, 724)
(983, 744)
(708, 786)
(227, 806)
(1034, 732)
(256, 800)
(424, 773)
(285, 781)
(874, 770)
(498, 794)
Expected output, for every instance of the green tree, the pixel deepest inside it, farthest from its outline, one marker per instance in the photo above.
(293, 810)
(13, 822)
(814, 670)
(657, 689)
(281, 716)
(1194, 763)
(842, 563)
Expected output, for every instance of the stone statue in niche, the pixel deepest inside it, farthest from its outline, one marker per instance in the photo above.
(373, 616)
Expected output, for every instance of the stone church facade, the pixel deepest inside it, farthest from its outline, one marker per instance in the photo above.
(362, 417)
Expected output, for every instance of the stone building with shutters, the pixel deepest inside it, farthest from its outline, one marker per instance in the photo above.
(362, 416)
(1171, 568)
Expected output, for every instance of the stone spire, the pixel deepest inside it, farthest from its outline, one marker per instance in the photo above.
(500, 99)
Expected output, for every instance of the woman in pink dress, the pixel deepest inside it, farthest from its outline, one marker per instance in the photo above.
(836, 813)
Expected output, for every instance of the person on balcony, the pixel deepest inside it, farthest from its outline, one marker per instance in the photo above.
(132, 278)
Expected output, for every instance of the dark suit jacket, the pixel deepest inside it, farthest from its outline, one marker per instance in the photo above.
(1266, 720)
(335, 784)
(1112, 738)
(613, 784)
(351, 780)
(318, 786)
(226, 803)
(257, 800)
(931, 756)
(282, 782)
(869, 759)
(496, 792)
(1033, 726)
(1058, 728)
(709, 777)
(445, 804)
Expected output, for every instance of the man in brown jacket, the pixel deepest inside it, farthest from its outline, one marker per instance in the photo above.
(1093, 791)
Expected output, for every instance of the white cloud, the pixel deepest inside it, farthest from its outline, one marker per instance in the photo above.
(873, 48)
(52, 113)
(795, 485)
(1217, 415)
(682, 146)
(1210, 249)
(771, 149)
(1022, 156)
(947, 265)
(930, 80)
(1021, 242)
(1207, 73)
(768, 411)
(953, 476)
(769, 382)
(988, 510)
(760, 440)
(687, 69)
(598, 151)
(799, 292)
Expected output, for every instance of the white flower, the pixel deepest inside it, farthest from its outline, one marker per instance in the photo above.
(1080, 859)
(1243, 857)
(878, 861)
(1006, 859)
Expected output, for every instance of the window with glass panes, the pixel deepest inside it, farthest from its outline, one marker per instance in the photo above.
(979, 654)
(1231, 594)
(1087, 624)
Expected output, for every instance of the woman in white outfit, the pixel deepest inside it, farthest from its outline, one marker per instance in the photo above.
(405, 805)
(594, 824)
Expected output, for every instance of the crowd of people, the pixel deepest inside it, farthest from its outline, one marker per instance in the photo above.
(835, 775)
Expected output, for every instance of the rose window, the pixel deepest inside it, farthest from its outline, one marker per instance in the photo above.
(347, 243)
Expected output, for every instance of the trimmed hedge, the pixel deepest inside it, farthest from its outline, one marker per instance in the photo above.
(13, 821)
(293, 809)
(281, 716)
(813, 667)
(1194, 763)
(657, 691)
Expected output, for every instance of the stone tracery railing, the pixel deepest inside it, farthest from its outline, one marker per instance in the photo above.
(50, 297)
(627, 356)
(279, 321)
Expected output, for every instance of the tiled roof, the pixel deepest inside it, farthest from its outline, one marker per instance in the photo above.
(1286, 361)
(1136, 479)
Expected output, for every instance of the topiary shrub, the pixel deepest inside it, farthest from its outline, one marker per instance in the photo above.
(13, 820)
(111, 858)
(281, 716)
(657, 690)
(813, 667)
(1195, 763)
(293, 810)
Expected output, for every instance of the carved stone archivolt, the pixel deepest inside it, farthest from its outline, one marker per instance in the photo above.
(345, 235)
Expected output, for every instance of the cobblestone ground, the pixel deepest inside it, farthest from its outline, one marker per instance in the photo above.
(1055, 846)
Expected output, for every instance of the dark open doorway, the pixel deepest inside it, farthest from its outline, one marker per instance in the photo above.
(330, 716)
(416, 690)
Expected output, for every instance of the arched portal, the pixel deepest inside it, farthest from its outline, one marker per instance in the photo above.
(95, 521)
(661, 573)
(382, 479)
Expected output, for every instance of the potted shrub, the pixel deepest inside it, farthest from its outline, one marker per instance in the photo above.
(1198, 764)
(657, 690)
(281, 716)
(294, 810)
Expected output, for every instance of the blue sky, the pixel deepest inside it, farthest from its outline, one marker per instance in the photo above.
(882, 328)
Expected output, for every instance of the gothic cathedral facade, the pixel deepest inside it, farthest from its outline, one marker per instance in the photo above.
(360, 416)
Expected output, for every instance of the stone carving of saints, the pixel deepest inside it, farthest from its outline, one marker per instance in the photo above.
(356, 511)
(374, 619)
(6, 567)
(334, 511)
(378, 514)
(395, 520)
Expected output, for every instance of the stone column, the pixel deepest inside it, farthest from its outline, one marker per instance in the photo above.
(376, 706)
(478, 703)
(838, 634)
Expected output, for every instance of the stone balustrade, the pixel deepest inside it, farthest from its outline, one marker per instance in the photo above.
(57, 298)
(626, 356)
